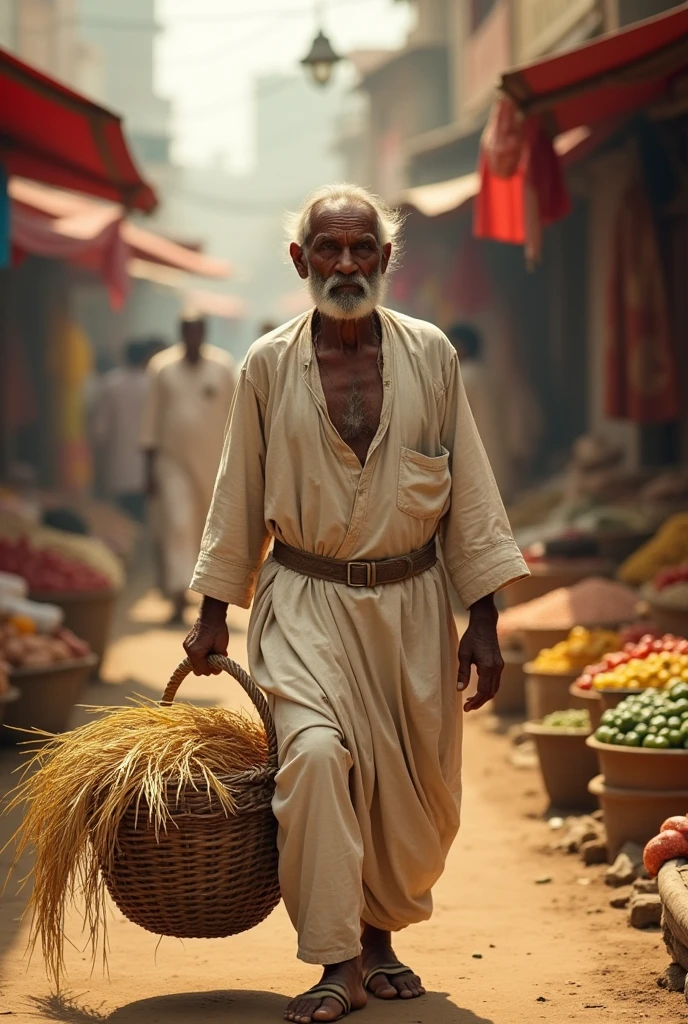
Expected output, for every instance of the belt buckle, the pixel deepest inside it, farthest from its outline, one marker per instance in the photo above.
(371, 573)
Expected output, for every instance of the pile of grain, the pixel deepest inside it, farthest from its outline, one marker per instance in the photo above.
(78, 785)
(592, 602)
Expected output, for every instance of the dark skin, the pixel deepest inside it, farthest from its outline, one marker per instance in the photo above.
(344, 241)
(192, 336)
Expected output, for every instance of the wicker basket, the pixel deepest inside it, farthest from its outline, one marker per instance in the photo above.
(208, 875)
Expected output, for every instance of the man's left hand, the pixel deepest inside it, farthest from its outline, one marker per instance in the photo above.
(480, 647)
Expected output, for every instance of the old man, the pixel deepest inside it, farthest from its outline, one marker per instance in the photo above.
(351, 446)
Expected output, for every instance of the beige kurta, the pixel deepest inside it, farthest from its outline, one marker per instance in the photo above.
(184, 420)
(362, 681)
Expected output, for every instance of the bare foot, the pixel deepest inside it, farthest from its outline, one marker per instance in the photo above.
(314, 1007)
(378, 952)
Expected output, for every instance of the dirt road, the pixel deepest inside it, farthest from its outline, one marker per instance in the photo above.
(500, 948)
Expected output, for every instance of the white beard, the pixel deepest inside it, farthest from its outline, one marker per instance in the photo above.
(346, 305)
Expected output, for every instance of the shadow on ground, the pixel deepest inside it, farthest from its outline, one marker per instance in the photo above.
(244, 1007)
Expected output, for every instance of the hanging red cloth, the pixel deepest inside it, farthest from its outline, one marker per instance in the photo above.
(641, 371)
(522, 187)
(89, 237)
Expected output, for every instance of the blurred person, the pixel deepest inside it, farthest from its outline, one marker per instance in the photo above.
(352, 447)
(190, 392)
(116, 419)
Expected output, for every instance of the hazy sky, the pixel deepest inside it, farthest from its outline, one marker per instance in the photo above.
(211, 50)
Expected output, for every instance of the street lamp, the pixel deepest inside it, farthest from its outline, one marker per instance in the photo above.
(321, 58)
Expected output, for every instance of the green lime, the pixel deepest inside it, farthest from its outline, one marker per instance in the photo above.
(604, 734)
(608, 717)
(647, 714)
(641, 729)
(674, 722)
(662, 743)
(659, 721)
(681, 705)
(632, 739)
(664, 731)
(626, 723)
(685, 742)
(650, 741)
(677, 688)
(675, 738)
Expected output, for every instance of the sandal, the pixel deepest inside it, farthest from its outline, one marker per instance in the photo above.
(390, 970)
(331, 990)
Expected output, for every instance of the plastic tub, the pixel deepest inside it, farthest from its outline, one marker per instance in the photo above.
(589, 699)
(634, 814)
(566, 763)
(547, 692)
(88, 614)
(642, 768)
(46, 696)
(511, 696)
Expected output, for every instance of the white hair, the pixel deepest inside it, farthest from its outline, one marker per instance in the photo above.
(389, 221)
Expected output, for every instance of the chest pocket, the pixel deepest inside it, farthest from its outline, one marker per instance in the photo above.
(424, 484)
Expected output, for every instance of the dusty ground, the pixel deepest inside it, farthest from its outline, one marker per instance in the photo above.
(552, 952)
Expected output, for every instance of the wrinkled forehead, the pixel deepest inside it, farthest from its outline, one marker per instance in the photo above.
(330, 217)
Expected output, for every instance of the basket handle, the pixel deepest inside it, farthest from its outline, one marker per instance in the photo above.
(243, 678)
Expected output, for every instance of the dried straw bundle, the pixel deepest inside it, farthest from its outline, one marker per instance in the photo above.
(78, 785)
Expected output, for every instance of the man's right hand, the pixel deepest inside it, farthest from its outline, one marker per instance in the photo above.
(208, 635)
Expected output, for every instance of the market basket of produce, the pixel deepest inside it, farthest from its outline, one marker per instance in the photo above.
(88, 613)
(550, 675)
(667, 599)
(546, 621)
(642, 743)
(45, 697)
(566, 763)
(47, 665)
(78, 574)
(166, 806)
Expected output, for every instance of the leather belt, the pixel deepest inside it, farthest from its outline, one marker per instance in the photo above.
(356, 574)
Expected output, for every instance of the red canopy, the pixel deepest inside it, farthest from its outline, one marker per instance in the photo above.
(605, 78)
(521, 184)
(64, 210)
(51, 134)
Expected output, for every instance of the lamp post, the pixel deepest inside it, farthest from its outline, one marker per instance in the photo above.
(321, 58)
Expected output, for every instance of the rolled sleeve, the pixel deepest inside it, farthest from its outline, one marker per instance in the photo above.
(488, 572)
(480, 552)
(226, 581)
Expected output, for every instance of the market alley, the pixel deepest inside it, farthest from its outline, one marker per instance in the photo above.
(503, 947)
